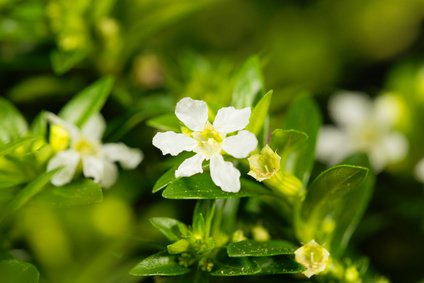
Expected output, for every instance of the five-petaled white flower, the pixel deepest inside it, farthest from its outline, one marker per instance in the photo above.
(209, 141)
(364, 126)
(85, 148)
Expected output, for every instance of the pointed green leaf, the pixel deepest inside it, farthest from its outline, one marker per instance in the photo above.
(11, 146)
(166, 122)
(254, 248)
(171, 228)
(64, 61)
(16, 271)
(278, 265)
(304, 115)
(12, 123)
(83, 192)
(160, 264)
(260, 113)
(87, 102)
(201, 186)
(249, 84)
(165, 179)
(325, 197)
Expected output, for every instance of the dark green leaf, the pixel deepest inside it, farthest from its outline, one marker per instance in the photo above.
(249, 84)
(201, 186)
(87, 102)
(12, 123)
(64, 61)
(161, 264)
(231, 266)
(254, 248)
(77, 193)
(325, 197)
(15, 271)
(278, 265)
(304, 115)
(260, 113)
(165, 179)
(171, 228)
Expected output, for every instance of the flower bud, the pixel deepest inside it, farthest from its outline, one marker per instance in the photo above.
(312, 256)
(265, 164)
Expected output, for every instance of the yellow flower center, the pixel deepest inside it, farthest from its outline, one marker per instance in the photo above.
(209, 140)
(85, 147)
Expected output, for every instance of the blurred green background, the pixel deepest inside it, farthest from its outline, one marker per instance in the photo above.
(161, 50)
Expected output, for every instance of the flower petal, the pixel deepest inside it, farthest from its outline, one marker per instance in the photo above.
(419, 171)
(229, 119)
(224, 174)
(190, 166)
(71, 128)
(350, 108)
(94, 128)
(240, 145)
(193, 113)
(173, 143)
(392, 148)
(110, 175)
(69, 160)
(332, 145)
(93, 167)
(129, 158)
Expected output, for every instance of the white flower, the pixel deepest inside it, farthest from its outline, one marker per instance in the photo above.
(209, 141)
(312, 256)
(419, 171)
(85, 148)
(364, 126)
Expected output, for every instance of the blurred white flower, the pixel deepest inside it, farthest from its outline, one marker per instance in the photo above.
(209, 141)
(313, 257)
(419, 170)
(85, 148)
(363, 126)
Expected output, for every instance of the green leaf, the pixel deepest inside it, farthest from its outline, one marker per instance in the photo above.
(325, 197)
(304, 115)
(348, 219)
(260, 113)
(288, 144)
(38, 87)
(166, 122)
(231, 266)
(12, 123)
(11, 146)
(201, 186)
(39, 125)
(87, 102)
(249, 84)
(254, 248)
(15, 271)
(278, 265)
(171, 228)
(64, 61)
(165, 179)
(83, 192)
(27, 193)
(160, 264)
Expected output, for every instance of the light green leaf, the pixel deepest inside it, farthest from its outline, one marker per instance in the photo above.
(304, 115)
(259, 113)
(87, 102)
(83, 192)
(171, 228)
(357, 200)
(12, 123)
(64, 61)
(325, 197)
(201, 186)
(254, 248)
(166, 122)
(11, 146)
(160, 264)
(278, 265)
(288, 143)
(15, 271)
(249, 84)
